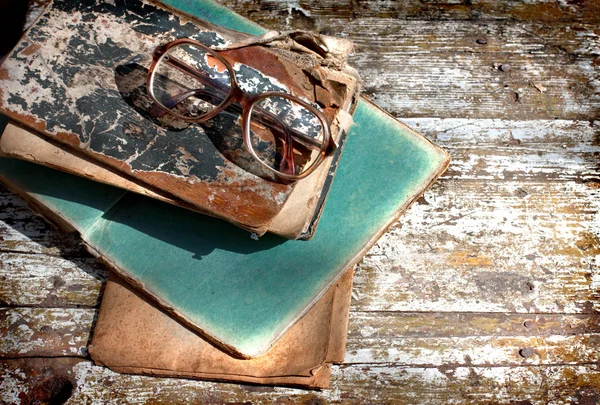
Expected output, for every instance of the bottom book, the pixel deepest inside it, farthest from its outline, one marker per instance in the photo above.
(134, 336)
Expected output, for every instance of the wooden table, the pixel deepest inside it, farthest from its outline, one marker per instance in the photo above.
(486, 291)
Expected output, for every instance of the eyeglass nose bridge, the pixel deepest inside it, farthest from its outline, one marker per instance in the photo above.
(239, 96)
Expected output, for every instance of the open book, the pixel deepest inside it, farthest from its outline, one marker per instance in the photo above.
(78, 77)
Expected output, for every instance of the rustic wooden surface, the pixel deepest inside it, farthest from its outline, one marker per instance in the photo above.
(486, 291)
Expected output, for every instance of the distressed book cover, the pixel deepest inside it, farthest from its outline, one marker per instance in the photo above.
(79, 77)
(128, 322)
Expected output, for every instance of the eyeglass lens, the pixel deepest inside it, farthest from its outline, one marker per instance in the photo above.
(190, 81)
(284, 135)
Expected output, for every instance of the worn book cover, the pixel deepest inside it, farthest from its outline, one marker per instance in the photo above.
(93, 57)
(128, 322)
(133, 335)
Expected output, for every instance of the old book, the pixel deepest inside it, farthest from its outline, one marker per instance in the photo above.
(22, 143)
(244, 295)
(128, 322)
(133, 335)
(93, 56)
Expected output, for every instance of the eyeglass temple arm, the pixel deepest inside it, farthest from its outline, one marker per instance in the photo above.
(224, 91)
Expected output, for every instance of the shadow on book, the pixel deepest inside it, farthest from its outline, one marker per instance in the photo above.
(180, 228)
(95, 207)
(224, 130)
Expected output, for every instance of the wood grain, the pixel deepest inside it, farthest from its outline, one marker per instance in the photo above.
(27, 332)
(439, 85)
(490, 247)
(307, 13)
(486, 292)
(21, 230)
(374, 337)
(48, 281)
(354, 385)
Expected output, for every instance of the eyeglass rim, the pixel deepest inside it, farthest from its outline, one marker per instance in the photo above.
(158, 55)
(247, 133)
(247, 102)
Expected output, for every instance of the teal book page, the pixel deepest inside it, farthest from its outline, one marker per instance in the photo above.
(244, 294)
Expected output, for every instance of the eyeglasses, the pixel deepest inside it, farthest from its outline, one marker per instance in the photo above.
(286, 134)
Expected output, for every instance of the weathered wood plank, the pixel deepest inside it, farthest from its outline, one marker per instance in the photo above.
(48, 281)
(537, 150)
(68, 327)
(476, 351)
(44, 331)
(488, 247)
(543, 135)
(504, 38)
(398, 325)
(522, 164)
(374, 338)
(507, 38)
(312, 13)
(473, 85)
(353, 385)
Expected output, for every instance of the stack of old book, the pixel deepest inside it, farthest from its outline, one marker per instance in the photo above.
(222, 273)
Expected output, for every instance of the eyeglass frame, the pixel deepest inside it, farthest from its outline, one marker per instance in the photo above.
(246, 100)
